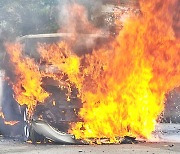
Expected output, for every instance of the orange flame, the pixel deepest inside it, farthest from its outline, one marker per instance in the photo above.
(122, 85)
(11, 123)
(27, 84)
(124, 90)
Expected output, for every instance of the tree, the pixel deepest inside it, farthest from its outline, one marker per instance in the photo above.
(23, 17)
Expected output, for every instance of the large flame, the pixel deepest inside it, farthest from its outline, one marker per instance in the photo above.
(27, 82)
(126, 83)
(122, 84)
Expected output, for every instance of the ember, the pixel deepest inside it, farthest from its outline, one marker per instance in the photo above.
(122, 84)
(11, 123)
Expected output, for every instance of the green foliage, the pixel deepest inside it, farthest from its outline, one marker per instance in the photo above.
(23, 17)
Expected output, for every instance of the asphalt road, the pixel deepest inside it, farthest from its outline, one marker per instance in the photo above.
(166, 141)
(16, 147)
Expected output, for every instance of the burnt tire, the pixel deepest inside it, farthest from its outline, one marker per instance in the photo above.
(25, 123)
(35, 137)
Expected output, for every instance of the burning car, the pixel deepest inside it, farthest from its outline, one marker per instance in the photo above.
(51, 119)
(116, 89)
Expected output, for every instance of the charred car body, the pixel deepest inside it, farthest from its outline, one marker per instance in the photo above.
(52, 118)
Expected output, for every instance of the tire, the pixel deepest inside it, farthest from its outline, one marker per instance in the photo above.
(26, 124)
(35, 137)
(29, 133)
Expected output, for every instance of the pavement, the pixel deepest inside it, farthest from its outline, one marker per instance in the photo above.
(15, 147)
(166, 140)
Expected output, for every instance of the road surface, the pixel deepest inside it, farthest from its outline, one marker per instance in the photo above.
(166, 141)
(15, 147)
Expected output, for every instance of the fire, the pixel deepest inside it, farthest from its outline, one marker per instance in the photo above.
(11, 123)
(122, 85)
(61, 56)
(27, 81)
(128, 89)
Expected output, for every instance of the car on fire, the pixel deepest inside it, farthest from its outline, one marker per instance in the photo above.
(51, 119)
